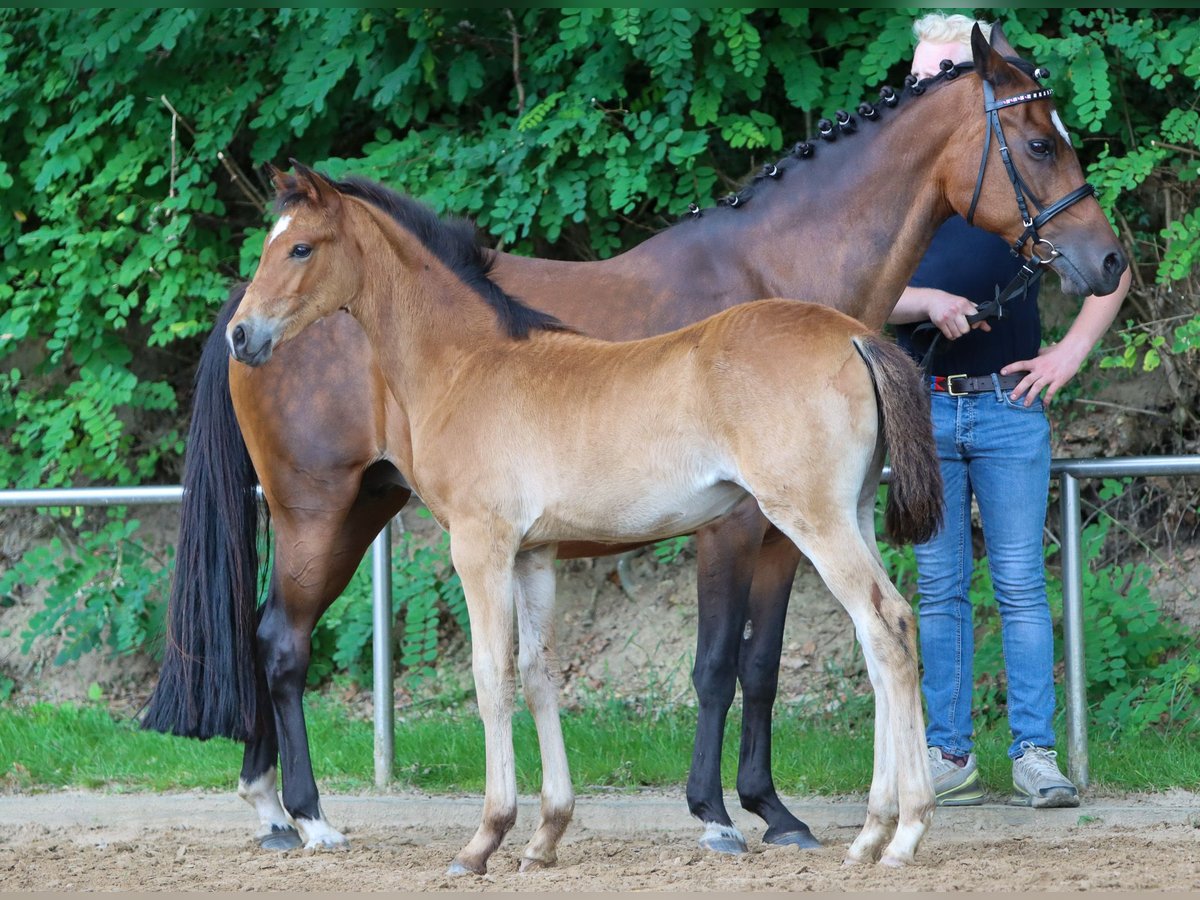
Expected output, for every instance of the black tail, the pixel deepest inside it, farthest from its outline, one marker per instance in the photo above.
(914, 503)
(208, 685)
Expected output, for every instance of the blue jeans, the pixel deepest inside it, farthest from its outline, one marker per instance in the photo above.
(999, 451)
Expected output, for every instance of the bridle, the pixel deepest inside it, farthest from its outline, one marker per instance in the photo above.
(991, 108)
(1033, 266)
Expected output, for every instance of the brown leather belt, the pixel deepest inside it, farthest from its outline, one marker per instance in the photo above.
(957, 385)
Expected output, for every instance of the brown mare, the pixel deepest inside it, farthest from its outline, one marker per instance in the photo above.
(843, 224)
(570, 438)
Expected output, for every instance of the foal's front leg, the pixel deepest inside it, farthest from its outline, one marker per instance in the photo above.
(484, 561)
(540, 680)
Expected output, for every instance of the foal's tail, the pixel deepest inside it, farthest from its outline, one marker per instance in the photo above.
(208, 685)
(914, 502)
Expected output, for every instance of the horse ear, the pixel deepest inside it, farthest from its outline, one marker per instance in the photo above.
(1000, 43)
(319, 189)
(989, 64)
(277, 178)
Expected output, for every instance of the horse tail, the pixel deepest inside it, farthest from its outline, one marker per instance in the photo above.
(208, 685)
(913, 513)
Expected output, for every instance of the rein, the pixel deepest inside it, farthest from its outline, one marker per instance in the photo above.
(1033, 267)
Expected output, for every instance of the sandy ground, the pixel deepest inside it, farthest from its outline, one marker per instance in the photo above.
(81, 841)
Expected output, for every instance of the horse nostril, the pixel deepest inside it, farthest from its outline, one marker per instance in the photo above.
(1114, 263)
(239, 338)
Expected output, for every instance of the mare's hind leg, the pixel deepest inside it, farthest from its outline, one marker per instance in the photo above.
(540, 680)
(725, 554)
(758, 671)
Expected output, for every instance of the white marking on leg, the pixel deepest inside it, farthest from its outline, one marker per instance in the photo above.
(717, 836)
(280, 228)
(262, 795)
(318, 833)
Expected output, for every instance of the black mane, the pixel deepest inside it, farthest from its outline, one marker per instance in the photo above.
(453, 240)
(817, 146)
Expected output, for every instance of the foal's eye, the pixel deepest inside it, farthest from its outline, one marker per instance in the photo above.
(1041, 147)
(301, 251)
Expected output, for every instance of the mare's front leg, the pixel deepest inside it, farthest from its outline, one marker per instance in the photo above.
(725, 554)
(316, 554)
(758, 671)
(483, 555)
(540, 676)
(258, 781)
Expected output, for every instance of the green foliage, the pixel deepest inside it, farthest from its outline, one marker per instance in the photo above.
(131, 142)
(427, 599)
(104, 590)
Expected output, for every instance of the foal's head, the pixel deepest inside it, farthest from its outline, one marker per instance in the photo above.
(333, 240)
(309, 268)
(1080, 239)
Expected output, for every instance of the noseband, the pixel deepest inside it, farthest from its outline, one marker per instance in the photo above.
(991, 108)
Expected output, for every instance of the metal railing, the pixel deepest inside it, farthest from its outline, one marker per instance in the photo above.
(1068, 471)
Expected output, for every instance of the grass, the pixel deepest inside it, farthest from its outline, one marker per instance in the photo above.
(609, 747)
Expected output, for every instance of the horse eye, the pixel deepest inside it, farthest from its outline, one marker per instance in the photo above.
(301, 251)
(1041, 147)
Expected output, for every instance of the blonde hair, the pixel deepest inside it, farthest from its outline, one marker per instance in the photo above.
(939, 28)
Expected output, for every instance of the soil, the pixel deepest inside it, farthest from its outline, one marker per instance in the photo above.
(639, 842)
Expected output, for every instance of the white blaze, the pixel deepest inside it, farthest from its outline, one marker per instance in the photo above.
(282, 224)
(1059, 125)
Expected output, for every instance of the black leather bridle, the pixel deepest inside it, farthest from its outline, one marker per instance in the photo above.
(1033, 266)
(992, 107)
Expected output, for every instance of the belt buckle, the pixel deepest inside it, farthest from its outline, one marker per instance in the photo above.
(950, 385)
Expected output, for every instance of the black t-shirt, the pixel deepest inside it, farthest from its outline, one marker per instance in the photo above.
(973, 263)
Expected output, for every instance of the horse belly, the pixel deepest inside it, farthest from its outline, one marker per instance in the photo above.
(640, 509)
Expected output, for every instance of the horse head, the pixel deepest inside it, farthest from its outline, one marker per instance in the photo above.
(1028, 185)
(307, 269)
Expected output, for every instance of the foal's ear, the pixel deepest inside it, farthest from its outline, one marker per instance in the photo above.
(989, 64)
(317, 188)
(277, 178)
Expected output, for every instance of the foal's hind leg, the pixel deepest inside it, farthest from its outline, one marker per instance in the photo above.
(539, 678)
(901, 798)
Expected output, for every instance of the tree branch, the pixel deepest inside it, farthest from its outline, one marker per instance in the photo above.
(516, 47)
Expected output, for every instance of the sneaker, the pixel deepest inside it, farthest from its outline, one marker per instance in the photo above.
(1038, 782)
(954, 785)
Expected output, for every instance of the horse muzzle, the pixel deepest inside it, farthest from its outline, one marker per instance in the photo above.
(1082, 276)
(251, 341)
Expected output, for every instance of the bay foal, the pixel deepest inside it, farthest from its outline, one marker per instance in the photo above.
(524, 435)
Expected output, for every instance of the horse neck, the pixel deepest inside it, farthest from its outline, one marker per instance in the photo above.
(418, 315)
(846, 228)
(853, 229)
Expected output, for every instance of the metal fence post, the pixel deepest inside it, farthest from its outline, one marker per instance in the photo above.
(1075, 687)
(383, 692)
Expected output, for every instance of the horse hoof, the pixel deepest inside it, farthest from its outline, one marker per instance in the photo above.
(533, 865)
(723, 839)
(894, 862)
(801, 838)
(328, 843)
(280, 839)
(458, 868)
